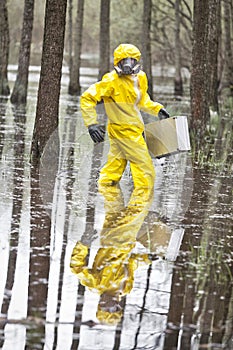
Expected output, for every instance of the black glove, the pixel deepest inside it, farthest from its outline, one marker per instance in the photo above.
(96, 132)
(163, 114)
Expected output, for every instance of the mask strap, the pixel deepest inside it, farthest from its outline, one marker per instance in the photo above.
(118, 70)
(136, 69)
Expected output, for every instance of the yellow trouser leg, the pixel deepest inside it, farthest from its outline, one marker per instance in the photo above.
(131, 147)
(115, 166)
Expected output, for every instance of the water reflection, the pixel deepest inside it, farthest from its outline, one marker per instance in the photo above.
(201, 295)
(172, 256)
(112, 272)
(14, 183)
(3, 103)
(17, 200)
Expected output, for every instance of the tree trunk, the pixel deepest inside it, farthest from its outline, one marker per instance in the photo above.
(178, 84)
(70, 35)
(213, 44)
(228, 27)
(199, 87)
(50, 77)
(204, 79)
(104, 64)
(19, 94)
(74, 85)
(4, 48)
(146, 44)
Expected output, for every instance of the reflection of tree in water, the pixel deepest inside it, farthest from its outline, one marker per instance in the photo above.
(39, 257)
(17, 200)
(40, 235)
(19, 241)
(201, 299)
(3, 105)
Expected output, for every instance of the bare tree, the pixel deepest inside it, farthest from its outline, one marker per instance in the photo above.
(4, 48)
(146, 43)
(104, 63)
(19, 94)
(50, 77)
(172, 27)
(74, 84)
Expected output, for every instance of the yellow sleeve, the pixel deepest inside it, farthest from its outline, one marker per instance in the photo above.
(92, 96)
(146, 104)
(78, 265)
(78, 258)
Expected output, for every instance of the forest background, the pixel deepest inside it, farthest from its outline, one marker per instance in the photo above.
(125, 24)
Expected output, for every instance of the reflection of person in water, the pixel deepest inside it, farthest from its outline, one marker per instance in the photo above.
(111, 276)
(112, 273)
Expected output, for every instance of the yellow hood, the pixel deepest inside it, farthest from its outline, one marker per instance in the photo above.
(124, 51)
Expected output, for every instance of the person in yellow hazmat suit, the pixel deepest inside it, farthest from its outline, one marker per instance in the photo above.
(124, 92)
(112, 272)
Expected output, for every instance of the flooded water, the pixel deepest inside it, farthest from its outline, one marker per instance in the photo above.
(87, 268)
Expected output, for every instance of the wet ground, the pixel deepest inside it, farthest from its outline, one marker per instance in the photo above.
(166, 256)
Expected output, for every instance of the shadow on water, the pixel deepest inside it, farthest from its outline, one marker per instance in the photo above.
(107, 268)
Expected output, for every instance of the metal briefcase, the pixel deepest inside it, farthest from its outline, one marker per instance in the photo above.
(167, 136)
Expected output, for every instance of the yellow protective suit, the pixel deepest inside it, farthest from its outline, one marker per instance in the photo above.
(124, 96)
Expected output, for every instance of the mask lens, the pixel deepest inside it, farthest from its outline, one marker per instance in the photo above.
(127, 65)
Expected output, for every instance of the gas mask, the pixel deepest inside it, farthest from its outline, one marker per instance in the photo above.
(128, 66)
